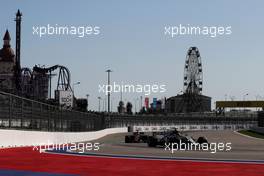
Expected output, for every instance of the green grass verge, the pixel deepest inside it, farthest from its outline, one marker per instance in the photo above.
(252, 133)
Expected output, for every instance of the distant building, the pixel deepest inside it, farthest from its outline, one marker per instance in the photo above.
(121, 109)
(7, 66)
(33, 86)
(185, 103)
(156, 107)
(40, 83)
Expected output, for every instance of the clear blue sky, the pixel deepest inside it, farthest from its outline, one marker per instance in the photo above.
(133, 45)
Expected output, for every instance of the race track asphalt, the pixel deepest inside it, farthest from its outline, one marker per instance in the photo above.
(242, 147)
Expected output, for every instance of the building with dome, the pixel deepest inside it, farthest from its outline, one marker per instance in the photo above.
(33, 84)
(7, 66)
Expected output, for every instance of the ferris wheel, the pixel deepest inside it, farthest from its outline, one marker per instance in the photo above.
(193, 75)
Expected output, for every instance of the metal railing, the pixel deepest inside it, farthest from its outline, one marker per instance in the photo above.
(21, 113)
(18, 112)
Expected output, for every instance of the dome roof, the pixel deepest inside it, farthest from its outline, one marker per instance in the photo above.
(7, 54)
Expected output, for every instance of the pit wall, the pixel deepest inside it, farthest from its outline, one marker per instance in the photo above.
(20, 138)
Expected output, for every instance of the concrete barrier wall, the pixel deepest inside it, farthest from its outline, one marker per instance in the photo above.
(17, 138)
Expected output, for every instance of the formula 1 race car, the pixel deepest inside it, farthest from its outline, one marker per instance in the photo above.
(172, 136)
(136, 137)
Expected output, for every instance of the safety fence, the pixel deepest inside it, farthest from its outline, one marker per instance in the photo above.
(20, 113)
